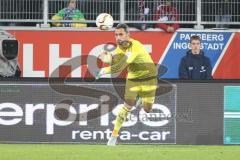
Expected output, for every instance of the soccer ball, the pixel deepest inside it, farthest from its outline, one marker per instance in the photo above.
(104, 21)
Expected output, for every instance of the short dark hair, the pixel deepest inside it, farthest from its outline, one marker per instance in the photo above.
(68, 2)
(123, 26)
(195, 37)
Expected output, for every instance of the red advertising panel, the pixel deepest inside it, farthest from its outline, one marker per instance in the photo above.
(44, 52)
(41, 52)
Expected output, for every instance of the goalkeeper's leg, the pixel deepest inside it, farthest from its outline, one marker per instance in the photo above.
(147, 94)
(131, 92)
(121, 117)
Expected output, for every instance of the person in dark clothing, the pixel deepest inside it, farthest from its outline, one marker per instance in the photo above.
(195, 65)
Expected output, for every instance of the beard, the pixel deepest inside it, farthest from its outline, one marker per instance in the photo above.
(123, 43)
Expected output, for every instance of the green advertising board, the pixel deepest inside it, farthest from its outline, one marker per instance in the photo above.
(232, 115)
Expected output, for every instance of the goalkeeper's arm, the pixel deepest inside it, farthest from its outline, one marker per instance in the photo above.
(118, 66)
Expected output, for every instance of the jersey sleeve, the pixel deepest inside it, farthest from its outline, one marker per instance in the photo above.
(129, 57)
(117, 66)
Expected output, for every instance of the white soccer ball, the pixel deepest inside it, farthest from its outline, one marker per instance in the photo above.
(104, 21)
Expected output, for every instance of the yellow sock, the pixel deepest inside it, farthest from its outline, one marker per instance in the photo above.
(121, 117)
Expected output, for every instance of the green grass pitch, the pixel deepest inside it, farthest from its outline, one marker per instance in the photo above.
(120, 152)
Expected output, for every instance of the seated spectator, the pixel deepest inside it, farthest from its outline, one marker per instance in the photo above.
(195, 65)
(224, 14)
(166, 12)
(69, 13)
(139, 11)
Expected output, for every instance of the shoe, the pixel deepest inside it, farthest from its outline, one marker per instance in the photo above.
(112, 141)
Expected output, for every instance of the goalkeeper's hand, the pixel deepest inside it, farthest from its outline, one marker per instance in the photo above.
(100, 73)
(106, 57)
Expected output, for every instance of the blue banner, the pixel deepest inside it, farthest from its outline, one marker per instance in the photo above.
(213, 44)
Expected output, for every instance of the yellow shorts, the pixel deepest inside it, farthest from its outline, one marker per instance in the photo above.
(145, 89)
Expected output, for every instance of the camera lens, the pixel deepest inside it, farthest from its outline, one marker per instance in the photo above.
(10, 49)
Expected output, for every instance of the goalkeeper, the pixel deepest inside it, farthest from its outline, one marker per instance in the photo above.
(141, 79)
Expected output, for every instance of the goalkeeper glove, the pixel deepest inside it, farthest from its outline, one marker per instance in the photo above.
(100, 73)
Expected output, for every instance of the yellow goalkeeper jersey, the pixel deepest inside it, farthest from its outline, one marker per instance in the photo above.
(137, 60)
